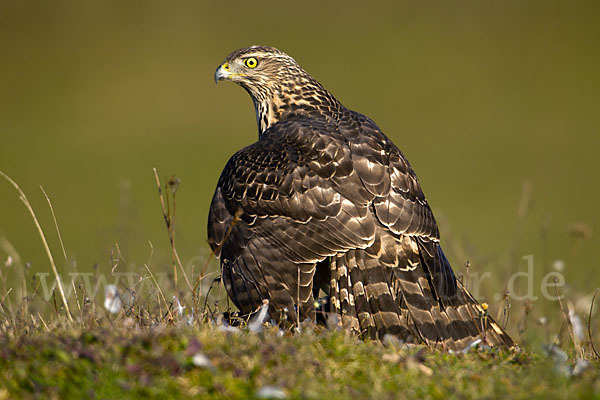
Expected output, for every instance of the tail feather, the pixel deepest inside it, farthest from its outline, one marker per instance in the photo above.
(413, 295)
(377, 299)
(342, 303)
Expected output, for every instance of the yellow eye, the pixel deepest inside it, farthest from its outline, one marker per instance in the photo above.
(251, 62)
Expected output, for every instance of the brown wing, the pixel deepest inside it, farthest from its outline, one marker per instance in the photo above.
(299, 201)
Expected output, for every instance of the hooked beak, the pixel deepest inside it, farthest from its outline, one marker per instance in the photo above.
(223, 73)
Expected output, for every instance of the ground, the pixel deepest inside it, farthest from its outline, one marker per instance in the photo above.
(119, 360)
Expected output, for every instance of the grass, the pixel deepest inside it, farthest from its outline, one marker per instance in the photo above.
(116, 361)
(164, 342)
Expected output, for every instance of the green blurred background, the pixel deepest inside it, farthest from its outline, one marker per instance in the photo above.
(495, 103)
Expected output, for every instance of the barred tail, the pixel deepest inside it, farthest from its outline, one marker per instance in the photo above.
(405, 287)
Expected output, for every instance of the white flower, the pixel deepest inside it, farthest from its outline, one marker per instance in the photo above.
(112, 300)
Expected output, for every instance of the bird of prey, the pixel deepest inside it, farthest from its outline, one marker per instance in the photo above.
(324, 202)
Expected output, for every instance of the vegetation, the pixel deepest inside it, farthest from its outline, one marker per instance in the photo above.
(115, 360)
(138, 344)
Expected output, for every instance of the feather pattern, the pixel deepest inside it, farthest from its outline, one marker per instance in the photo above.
(324, 201)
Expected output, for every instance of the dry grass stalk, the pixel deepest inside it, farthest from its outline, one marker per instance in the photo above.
(62, 246)
(147, 266)
(567, 320)
(169, 221)
(589, 325)
(25, 201)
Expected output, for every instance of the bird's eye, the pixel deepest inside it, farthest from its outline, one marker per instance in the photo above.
(251, 62)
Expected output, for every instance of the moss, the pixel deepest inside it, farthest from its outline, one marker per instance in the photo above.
(121, 363)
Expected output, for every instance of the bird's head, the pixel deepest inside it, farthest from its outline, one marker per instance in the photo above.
(276, 83)
(261, 70)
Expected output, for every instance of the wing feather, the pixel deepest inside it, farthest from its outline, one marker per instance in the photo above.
(311, 194)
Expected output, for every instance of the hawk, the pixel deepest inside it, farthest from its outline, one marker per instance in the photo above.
(325, 202)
